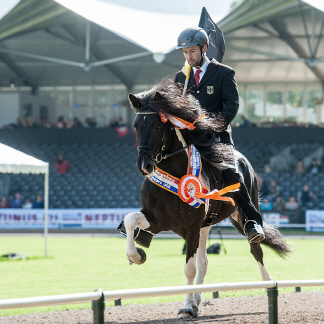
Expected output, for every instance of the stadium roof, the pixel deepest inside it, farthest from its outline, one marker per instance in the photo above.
(276, 40)
(49, 44)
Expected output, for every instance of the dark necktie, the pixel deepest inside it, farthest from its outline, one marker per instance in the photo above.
(197, 77)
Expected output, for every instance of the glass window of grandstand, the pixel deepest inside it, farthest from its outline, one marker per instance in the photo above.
(92, 107)
(255, 106)
(274, 107)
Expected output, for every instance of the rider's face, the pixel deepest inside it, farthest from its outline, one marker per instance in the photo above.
(193, 55)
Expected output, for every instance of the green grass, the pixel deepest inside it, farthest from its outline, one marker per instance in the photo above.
(82, 264)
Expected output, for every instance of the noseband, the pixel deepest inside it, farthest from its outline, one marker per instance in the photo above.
(146, 149)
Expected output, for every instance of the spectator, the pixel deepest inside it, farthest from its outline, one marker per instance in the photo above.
(266, 205)
(263, 186)
(76, 123)
(316, 165)
(29, 122)
(291, 204)
(300, 167)
(59, 159)
(4, 203)
(305, 196)
(17, 125)
(245, 122)
(114, 122)
(267, 169)
(279, 204)
(38, 123)
(27, 204)
(60, 122)
(17, 201)
(274, 191)
(39, 202)
(61, 164)
(46, 123)
(91, 122)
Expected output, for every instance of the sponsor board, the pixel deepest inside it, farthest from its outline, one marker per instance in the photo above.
(274, 219)
(63, 218)
(315, 220)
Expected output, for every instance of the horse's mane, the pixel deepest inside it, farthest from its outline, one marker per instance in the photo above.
(187, 107)
(171, 101)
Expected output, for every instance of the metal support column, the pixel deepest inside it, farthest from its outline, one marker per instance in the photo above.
(273, 304)
(98, 308)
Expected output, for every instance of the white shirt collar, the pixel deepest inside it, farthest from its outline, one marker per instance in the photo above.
(203, 68)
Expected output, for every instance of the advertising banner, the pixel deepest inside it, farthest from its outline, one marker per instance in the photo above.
(62, 218)
(315, 220)
(110, 218)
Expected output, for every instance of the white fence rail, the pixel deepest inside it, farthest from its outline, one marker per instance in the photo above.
(98, 297)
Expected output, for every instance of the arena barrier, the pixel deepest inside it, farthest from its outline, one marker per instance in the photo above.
(98, 297)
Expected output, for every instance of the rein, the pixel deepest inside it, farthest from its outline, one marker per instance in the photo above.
(159, 156)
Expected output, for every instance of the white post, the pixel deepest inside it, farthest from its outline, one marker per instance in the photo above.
(284, 102)
(305, 106)
(46, 210)
(265, 101)
(245, 100)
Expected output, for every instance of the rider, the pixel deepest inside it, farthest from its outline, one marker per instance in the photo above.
(215, 87)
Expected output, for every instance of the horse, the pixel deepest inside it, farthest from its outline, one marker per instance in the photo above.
(164, 148)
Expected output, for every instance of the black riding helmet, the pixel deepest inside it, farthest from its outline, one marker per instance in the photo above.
(193, 36)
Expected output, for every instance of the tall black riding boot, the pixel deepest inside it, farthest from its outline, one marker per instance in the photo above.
(253, 220)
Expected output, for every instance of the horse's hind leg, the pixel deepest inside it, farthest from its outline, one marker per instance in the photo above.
(196, 264)
(257, 252)
(255, 248)
(131, 220)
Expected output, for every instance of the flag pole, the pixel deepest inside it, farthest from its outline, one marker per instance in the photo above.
(187, 80)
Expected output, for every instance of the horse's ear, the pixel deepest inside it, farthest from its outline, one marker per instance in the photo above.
(134, 101)
(158, 96)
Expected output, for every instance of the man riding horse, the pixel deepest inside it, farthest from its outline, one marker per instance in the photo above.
(214, 86)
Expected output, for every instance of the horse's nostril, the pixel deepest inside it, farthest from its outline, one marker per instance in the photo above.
(149, 168)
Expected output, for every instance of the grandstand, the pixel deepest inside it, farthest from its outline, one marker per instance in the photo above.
(103, 172)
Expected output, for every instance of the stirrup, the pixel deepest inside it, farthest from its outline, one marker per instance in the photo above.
(256, 233)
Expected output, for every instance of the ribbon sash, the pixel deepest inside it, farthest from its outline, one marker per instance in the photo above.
(189, 188)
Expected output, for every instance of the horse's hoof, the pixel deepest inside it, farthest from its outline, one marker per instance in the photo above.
(194, 310)
(142, 253)
(187, 312)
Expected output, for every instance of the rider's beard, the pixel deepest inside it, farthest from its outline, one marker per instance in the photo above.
(195, 63)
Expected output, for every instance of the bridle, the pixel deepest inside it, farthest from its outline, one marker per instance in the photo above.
(147, 149)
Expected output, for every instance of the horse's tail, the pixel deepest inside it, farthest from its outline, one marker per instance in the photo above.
(275, 241)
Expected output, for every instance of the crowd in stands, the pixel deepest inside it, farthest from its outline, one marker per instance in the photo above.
(19, 202)
(271, 196)
(61, 123)
(245, 123)
(91, 122)
(62, 166)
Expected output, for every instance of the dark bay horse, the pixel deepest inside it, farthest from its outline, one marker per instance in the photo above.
(163, 147)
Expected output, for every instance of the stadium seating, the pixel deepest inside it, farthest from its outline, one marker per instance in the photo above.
(104, 175)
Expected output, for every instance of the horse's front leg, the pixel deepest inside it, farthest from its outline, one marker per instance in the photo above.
(131, 220)
(197, 264)
(189, 308)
